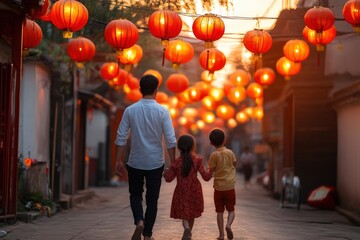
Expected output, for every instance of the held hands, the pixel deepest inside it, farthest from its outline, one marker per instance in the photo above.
(119, 168)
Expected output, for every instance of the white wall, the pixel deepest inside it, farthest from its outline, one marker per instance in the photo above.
(349, 156)
(34, 122)
(95, 131)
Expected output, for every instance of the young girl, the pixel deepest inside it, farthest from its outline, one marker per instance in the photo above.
(188, 201)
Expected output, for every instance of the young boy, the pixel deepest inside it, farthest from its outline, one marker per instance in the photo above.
(222, 163)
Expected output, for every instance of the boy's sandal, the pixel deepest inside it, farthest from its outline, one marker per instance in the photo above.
(229, 233)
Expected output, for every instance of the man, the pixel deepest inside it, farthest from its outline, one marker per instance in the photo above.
(147, 122)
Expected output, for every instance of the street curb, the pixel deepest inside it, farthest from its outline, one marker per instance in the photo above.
(353, 217)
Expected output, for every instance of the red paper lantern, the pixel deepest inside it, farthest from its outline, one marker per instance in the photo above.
(131, 56)
(161, 97)
(351, 12)
(179, 52)
(109, 70)
(32, 34)
(254, 90)
(133, 83)
(177, 82)
(154, 73)
(257, 41)
(121, 34)
(236, 94)
(225, 111)
(134, 95)
(122, 78)
(69, 16)
(287, 68)
(240, 78)
(319, 39)
(80, 50)
(264, 76)
(296, 50)
(212, 60)
(36, 9)
(165, 24)
(319, 18)
(208, 28)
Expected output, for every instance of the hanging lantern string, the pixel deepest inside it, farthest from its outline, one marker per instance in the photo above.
(207, 59)
(163, 58)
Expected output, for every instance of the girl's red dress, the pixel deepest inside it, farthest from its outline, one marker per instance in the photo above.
(188, 201)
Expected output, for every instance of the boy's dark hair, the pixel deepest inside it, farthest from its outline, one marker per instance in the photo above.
(217, 137)
(185, 145)
(148, 84)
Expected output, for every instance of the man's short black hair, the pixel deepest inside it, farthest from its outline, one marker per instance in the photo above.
(217, 137)
(148, 84)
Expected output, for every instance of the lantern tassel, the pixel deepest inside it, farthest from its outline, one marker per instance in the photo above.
(163, 59)
(318, 58)
(207, 59)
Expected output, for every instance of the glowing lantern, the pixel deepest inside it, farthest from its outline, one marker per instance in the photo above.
(69, 16)
(179, 52)
(206, 77)
(258, 113)
(177, 82)
(121, 34)
(212, 60)
(131, 56)
(165, 24)
(287, 68)
(216, 93)
(109, 70)
(296, 50)
(254, 90)
(184, 96)
(154, 73)
(208, 102)
(258, 42)
(36, 9)
(133, 83)
(200, 124)
(32, 35)
(319, 39)
(319, 18)
(161, 97)
(194, 94)
(351, 12)
(240, 78)
(225, 111)
(80, 50)
(204, 88)
(208, 28)
(122, 78)
(237, 94)
(46, 17)
(174, 113)
(241, 117)
(134, 95)
(208, 117)
(264, 76)
(231, 123)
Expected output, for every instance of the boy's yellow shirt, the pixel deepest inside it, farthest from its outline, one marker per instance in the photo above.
(222, 160)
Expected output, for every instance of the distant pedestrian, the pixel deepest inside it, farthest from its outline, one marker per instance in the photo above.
(223, 162)
(188, 201)
(247, 160)
(147, 122)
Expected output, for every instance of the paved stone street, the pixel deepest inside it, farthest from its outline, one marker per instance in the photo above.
(258, 217)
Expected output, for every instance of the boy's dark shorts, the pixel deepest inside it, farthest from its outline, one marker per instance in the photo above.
(224, 199)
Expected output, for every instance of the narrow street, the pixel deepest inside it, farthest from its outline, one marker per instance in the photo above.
(258, 217)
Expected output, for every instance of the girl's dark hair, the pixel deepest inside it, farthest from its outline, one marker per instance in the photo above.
(185, 145)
